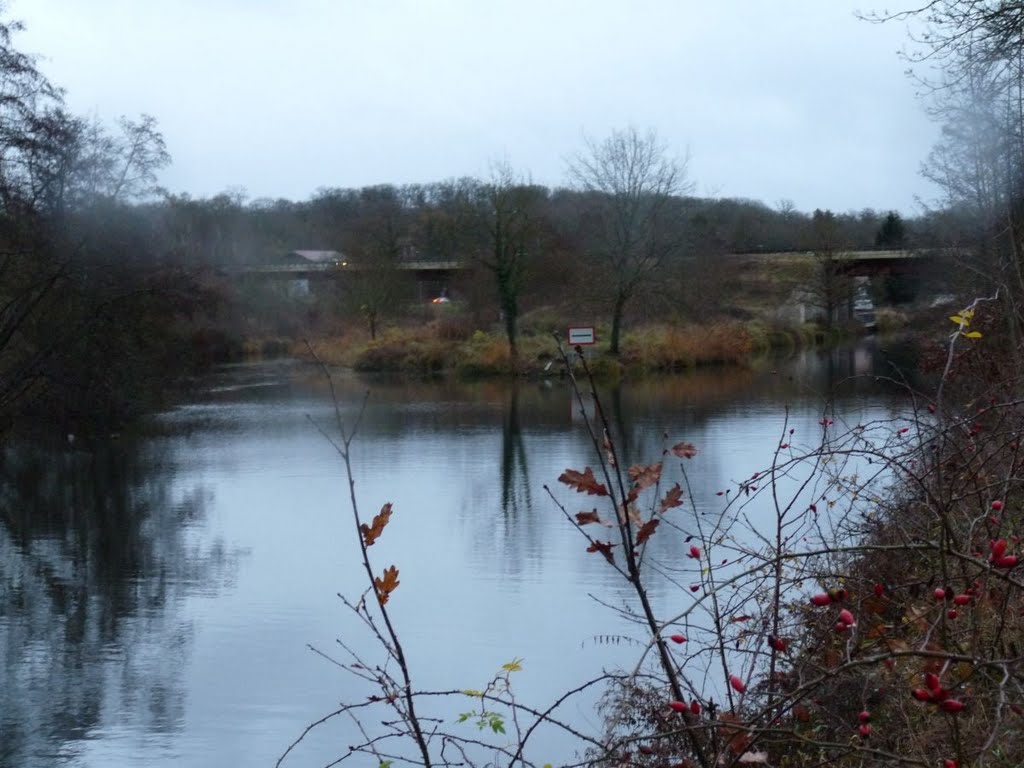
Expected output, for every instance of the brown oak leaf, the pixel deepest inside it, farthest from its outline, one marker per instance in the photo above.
(373, 531)
(645, 476)
(684, 450)
(385, 586)
(673, 498)
(605, 548)
(646, 531)
(583, 518)
(583, 482)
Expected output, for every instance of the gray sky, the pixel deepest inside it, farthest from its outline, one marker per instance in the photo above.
(774, 98)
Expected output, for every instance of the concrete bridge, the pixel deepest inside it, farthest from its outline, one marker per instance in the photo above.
(433, 277)
(857, 263)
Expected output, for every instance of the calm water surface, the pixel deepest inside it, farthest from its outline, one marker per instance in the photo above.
(158, 593)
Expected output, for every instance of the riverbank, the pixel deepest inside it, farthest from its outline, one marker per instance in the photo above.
(440, 347)
(445, 348)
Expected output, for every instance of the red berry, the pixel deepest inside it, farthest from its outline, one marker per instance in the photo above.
(864, 716)
(879, 590)
(777, 643)
(841, 626)
(997, 505)
(931, 408)
(694, 553)
(678, 706)
(694, 587)
(737, 685)
(865, 730)
(1007, 561)
(847, 618)
(932, 681)
(940, 593)
(998, 548)
(821, 600)
(643, 749)
(678, 638)
(961, 600)
(922, 695)
(951, 614)
(952, 706)
(947, 763)
(695, 707)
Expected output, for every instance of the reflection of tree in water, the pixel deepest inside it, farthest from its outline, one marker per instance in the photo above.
(513, 460)
(96, 558)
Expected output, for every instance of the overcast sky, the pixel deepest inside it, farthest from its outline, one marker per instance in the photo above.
(774, 99)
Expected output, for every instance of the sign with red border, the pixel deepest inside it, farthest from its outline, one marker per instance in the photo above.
(581, 335)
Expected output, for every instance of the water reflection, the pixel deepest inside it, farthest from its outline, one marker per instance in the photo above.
(96, 555)
(131, 631)
(515, 472)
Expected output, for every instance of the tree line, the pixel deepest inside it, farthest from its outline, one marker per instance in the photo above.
(109, 282)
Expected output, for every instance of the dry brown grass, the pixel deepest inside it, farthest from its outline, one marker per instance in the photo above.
(674, 348)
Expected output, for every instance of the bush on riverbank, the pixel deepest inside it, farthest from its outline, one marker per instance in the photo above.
(876, 620)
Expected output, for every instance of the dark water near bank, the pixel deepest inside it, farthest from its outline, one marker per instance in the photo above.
(158, 592)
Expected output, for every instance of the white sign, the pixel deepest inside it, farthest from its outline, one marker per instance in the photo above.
(581, 336)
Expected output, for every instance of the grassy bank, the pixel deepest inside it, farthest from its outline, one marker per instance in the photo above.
(442, 347)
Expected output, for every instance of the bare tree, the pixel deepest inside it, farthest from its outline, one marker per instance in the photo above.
(632, 227)
(831, 287)
(508, 211)
(376, 286)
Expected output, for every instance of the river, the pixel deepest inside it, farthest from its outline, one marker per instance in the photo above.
(160, 591)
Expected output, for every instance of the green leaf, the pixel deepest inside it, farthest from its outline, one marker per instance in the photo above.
(386, 764)
(960, 320)
(971, 334)
(474, 694)
(516, 665)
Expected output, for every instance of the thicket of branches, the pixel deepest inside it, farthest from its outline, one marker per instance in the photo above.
(857, 601)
